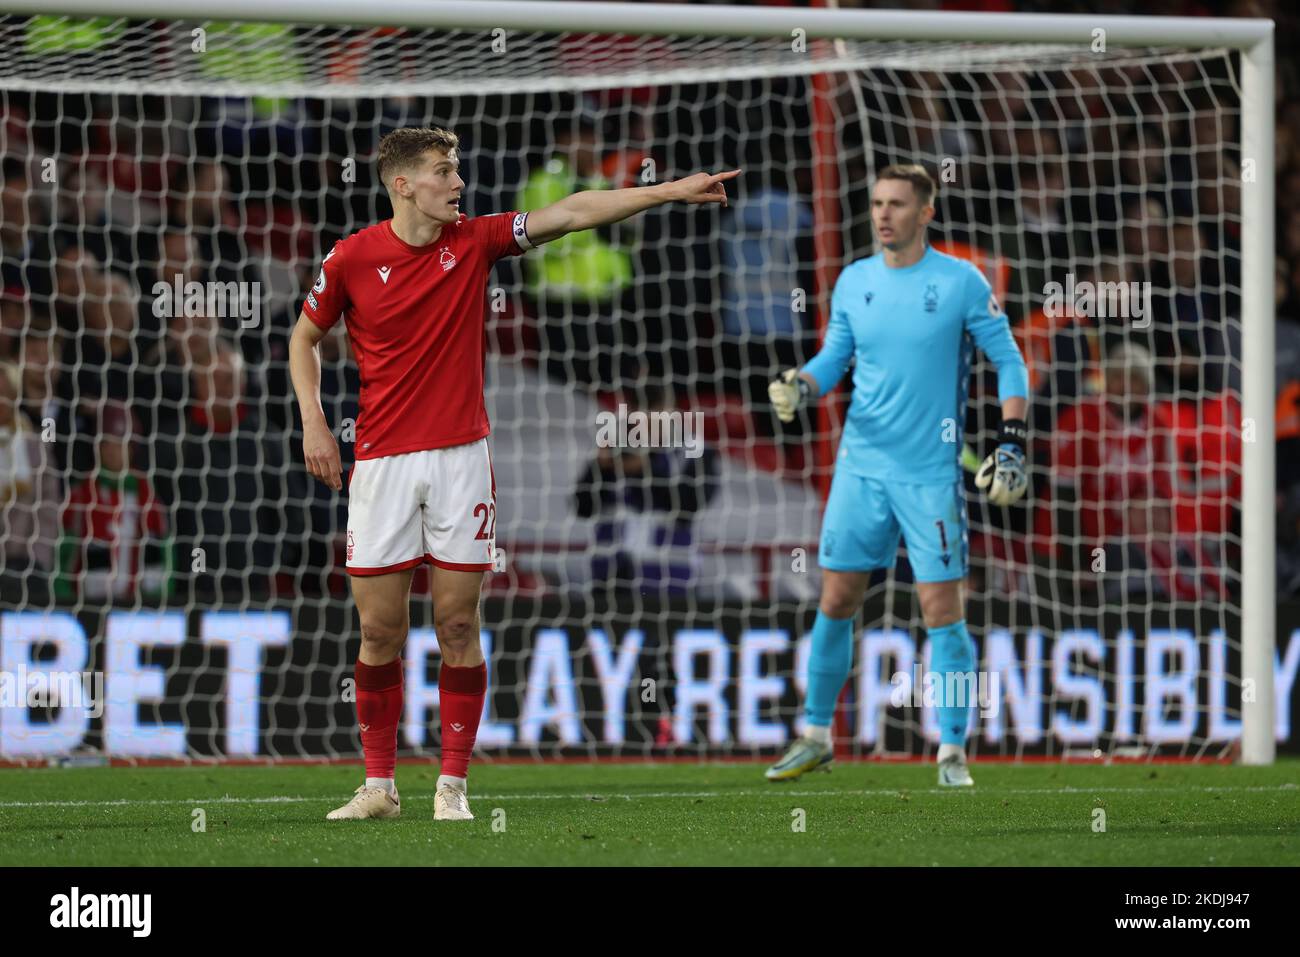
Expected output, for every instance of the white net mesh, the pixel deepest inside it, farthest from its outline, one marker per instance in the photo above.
(206, 57)
(160, 527)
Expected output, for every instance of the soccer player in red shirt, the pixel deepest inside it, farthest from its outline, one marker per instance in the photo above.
(412, 292)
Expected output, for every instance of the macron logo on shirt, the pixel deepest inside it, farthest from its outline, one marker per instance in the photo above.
(383, 273)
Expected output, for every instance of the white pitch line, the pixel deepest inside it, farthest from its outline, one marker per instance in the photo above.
(775, 791)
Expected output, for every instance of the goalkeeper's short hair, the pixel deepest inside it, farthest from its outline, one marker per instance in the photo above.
(914, 173)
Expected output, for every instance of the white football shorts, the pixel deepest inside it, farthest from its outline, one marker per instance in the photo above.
(437, 506)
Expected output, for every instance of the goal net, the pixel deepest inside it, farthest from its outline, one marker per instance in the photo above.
(170, 188)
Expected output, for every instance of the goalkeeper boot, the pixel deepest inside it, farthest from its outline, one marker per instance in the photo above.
(953, 773)
(451, 803)
(804, 755)
(368, 802)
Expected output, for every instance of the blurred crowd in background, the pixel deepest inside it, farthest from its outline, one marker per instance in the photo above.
(144, 455)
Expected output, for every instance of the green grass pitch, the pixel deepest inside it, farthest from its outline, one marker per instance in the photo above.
(661, 814)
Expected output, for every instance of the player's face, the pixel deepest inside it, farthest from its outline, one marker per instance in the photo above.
(1128, 390)
(36, 365)
(437, 186)
(13, 203)
(8, 398)
(897, 213)
(113, 453)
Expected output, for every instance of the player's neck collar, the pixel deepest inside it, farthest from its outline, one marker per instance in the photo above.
(429, 247)
(925, 251)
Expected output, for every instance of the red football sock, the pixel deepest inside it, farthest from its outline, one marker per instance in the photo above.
(379, 709)
(460, 706)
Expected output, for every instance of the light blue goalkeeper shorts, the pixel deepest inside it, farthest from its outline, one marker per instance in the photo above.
(865, 516)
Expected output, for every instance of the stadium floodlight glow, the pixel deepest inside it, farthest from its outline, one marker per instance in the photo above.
(443, 48)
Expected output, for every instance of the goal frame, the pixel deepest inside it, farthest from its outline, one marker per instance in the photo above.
(1253, 38)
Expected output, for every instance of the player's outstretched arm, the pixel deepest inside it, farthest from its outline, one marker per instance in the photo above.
(600, 207)
(320, 450)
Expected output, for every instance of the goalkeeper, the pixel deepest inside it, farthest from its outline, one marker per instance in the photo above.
(909, 317)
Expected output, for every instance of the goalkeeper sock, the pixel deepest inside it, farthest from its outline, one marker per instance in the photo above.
(815, 732)
(460, 707)
(828, 666)
(951, 751)
(379, 709)
(953, 652)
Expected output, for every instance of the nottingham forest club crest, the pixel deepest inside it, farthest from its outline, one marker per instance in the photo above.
(446, 258)
(931, 297)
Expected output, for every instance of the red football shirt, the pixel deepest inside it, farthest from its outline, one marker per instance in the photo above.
(1207, 445)
(1111, 463)
(415, 318)
(113, 517)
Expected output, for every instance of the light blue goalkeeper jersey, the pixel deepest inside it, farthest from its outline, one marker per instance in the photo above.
(912, 331)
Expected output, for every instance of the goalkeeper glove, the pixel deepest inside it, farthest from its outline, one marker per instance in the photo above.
(788, 393)
(1002, 475)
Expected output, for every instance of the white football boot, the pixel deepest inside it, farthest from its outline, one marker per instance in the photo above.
(368, 802)
(802, 756)
(450, 803)
(953, 773)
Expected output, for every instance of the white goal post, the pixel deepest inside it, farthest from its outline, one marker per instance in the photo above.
(1252, 38)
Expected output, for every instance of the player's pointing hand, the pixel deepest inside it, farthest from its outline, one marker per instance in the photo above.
(704, 187)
